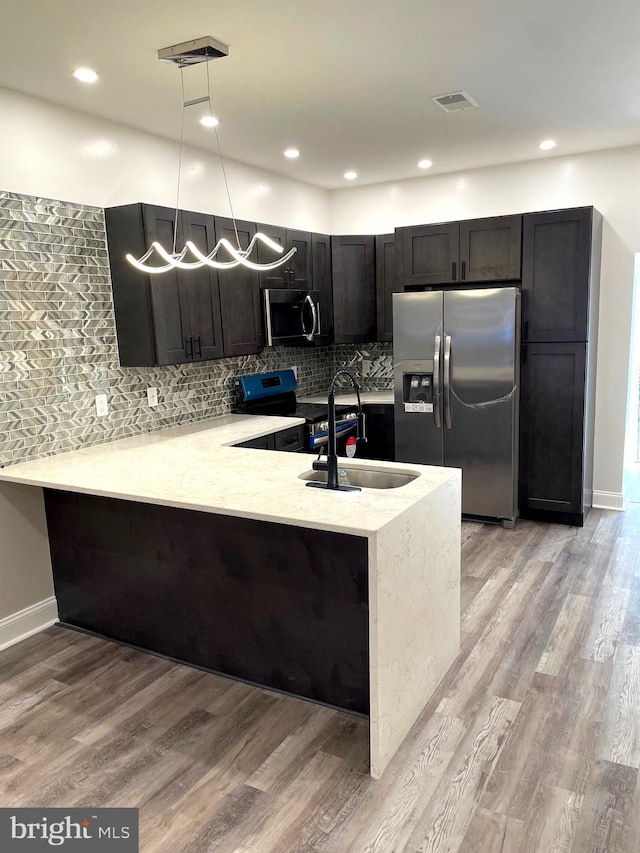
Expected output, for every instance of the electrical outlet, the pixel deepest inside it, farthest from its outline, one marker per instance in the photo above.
(102, 407)
(366, 366)
(295, 370)
(152, 396)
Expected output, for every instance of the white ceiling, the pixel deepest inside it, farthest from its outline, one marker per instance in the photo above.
(347, 82)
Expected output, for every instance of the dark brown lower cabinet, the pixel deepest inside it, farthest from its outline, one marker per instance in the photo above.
(556, 414)
(280, 606)
(380, 443)
(291, 440)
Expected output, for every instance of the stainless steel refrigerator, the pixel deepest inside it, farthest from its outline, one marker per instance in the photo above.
(456, 375)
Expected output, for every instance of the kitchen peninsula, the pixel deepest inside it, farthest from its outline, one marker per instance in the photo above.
(180, 543)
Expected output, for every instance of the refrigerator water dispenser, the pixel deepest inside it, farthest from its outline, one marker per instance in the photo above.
(417, 391)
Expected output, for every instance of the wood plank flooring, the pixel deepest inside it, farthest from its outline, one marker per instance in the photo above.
(531, 743)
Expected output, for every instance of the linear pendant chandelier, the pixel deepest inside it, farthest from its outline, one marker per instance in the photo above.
(190, 257)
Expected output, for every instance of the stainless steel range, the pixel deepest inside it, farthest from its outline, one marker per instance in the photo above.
(275, 394)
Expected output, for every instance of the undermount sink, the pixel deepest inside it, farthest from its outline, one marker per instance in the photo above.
(366, 478)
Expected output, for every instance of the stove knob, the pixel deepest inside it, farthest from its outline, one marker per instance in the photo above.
(324, 426)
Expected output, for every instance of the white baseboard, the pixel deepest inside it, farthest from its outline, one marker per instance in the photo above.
(29, 621)
(608, 500)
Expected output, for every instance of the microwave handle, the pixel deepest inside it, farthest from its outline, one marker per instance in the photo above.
(267, 314)
(309, 335)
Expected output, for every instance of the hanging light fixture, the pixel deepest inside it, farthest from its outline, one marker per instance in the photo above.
(184, 55)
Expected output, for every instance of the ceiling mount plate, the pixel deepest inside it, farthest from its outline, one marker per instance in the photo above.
(192, 52)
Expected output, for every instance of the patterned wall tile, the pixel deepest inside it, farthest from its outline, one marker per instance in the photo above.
(380, 368)
(58, 344)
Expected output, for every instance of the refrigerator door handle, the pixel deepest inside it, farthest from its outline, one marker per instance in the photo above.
(437, 400)
(447, 381)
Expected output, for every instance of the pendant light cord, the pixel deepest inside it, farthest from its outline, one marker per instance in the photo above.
(175, 227)
(224, 171)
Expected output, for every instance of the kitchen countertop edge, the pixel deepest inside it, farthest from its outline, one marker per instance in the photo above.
(171, 467)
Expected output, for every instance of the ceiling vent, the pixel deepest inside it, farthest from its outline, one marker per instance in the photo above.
(454, 102)
(193, 52)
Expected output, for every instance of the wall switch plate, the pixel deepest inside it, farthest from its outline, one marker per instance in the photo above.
(102, 407)
(295, 370)
(366, 366)
(152, 396)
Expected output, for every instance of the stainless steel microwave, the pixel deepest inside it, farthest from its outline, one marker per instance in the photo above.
(292, 317)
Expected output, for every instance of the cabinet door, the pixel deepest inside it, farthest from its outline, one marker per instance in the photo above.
(385, 285)
(276, 277)
(322, 282)
(300, 263)
(297, 270)
(555, 275)
(552, 410)
(291, 440)
(168, 300)
(130, 287)
(202, 289)
(264, 442)
(380, 443)
(354, 298)
(429, 254)
(239, 295)
(490, 249)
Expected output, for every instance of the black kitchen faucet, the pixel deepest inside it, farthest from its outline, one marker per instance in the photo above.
(331, 464)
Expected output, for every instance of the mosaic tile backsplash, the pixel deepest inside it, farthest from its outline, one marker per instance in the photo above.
(58, 345)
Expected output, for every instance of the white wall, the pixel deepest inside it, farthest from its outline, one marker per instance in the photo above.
(608, 180)
(54, 152)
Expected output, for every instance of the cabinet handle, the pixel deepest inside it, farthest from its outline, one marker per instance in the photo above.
(453, 270)
(464, 271)
(199, 353)
(526, 330)
(188, 347)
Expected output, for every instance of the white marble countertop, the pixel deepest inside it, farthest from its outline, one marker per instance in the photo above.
(195, 467)
(349, 398)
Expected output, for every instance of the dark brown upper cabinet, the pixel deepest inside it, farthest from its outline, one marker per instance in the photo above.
(475, 250)
(385, 285)
(202, 289)
(301, 262)
(560, 264)
(276, 277)
(167, 318)
(490, 249)
(239, 294)
(354, 294)
(296, 272)
(427, 254)
(322, 282)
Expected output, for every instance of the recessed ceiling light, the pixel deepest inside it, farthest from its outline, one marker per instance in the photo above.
(424, 164)
(209, 121)
(350, 176)
(85, 75)
(547, 144)
(292, 153)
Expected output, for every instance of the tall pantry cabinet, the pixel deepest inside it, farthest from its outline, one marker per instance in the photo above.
(560, 291)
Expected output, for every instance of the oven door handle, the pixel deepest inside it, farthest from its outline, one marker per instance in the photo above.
(321, 438)
(309, 335)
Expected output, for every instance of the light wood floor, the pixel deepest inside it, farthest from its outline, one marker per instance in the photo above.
(531, 743)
